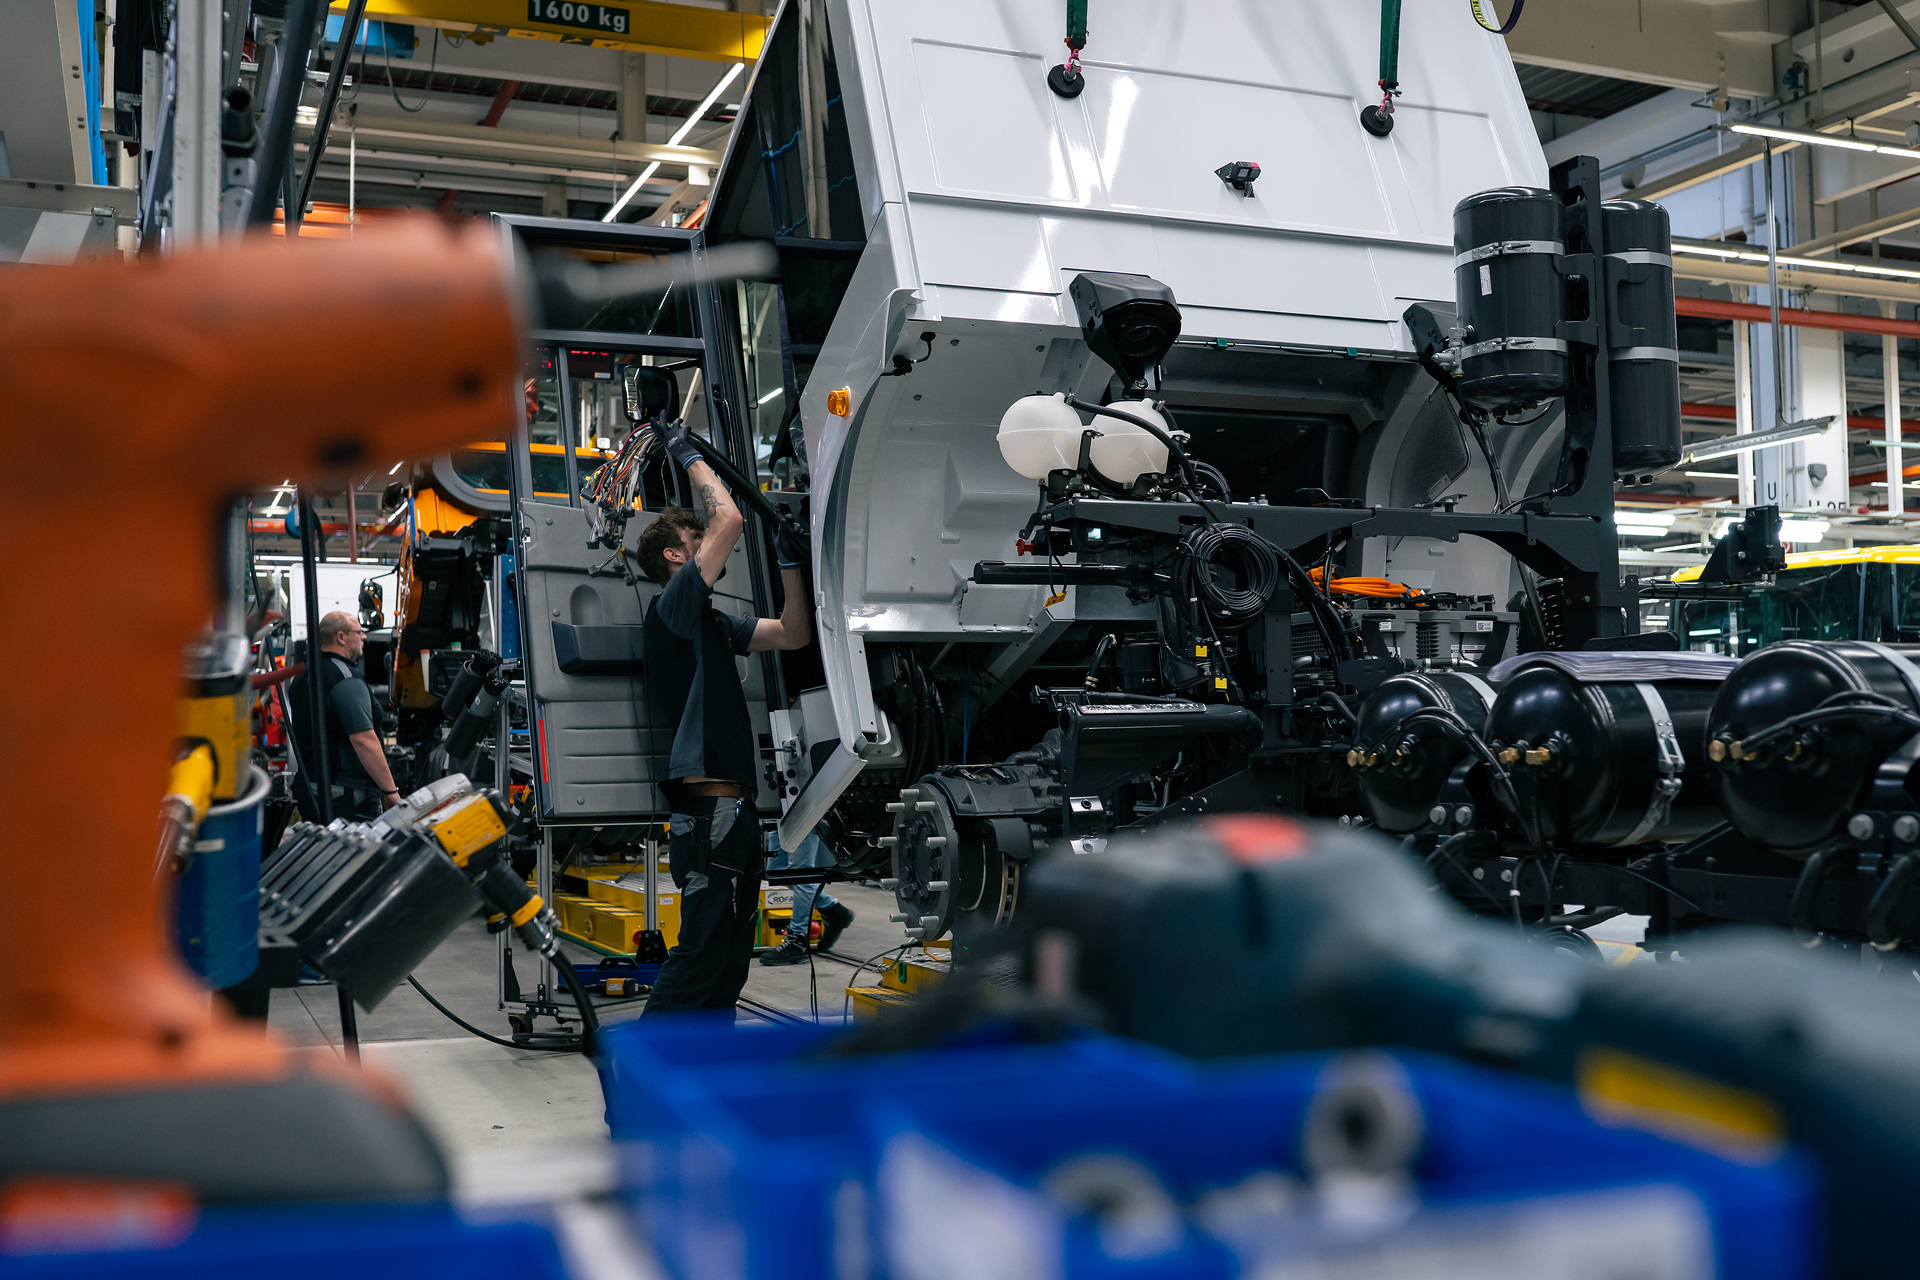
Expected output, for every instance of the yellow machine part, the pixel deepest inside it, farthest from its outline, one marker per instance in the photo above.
(466, 827)
(914, 975)
(608, 920)
(224, 723)
(869, 1003)
(191, 781)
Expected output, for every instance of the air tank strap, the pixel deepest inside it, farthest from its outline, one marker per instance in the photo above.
(1644, 353)
(1671, 764)
(1641, 258)
(1901, 663)
(1507, 248)
(1492, 345)
(1480, 687)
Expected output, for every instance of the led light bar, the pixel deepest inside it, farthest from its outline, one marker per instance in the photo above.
(1736, 252)
(1822, 139)
(1727, 446)
(1792, 530)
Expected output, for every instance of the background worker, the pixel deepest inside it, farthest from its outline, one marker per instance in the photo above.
(835, 915)
(713, 834)
(356, 762)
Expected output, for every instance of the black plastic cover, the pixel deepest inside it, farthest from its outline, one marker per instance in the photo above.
(617, 650)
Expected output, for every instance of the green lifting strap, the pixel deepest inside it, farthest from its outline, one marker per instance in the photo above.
(1077, 24)
(1389, 45)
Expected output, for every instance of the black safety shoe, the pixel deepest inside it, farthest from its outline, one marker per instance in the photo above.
(791, 951)
(833, 922)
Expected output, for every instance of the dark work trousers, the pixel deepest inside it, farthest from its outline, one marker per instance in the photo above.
(714, 853)
(356, 803)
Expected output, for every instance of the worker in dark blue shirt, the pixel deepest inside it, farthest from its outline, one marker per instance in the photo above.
(710, 778)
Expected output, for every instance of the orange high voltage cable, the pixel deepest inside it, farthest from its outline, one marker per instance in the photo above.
(1378, 588)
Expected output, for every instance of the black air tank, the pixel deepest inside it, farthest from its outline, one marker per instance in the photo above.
(1403, 763)
(1643, 358)
(1591, 761)
(1793, 792)
(1511, 297)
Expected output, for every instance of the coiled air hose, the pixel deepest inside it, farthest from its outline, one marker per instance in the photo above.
(1253, 559)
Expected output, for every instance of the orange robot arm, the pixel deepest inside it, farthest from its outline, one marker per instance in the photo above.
(200, 377)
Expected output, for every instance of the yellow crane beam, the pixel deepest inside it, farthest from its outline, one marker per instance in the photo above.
(640, 26)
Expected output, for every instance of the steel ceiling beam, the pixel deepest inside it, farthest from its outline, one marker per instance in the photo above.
(648, 26)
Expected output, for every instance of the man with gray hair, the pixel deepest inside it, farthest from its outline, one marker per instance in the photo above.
(356, 762)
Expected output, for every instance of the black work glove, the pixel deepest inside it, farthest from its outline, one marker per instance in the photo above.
(791, 544)
(679, 441)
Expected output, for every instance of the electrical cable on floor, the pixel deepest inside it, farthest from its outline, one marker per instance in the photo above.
(589, 1018)
(461, 1022)
(846, 1005)
(771, 1014)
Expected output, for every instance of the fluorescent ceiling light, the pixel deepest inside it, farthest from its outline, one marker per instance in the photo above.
(770, 395)
(1727, 446)
(1738, 252)
(1642, 524)
(1711, 475)
(1822, 139)
(1798, 530)
(706, 104)
(1881, 484)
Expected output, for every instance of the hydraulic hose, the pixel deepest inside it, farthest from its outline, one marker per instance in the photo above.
(1805, 891)
(1880, 928)
(1099, 657)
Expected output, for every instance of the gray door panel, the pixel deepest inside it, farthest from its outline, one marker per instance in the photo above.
(597, 748)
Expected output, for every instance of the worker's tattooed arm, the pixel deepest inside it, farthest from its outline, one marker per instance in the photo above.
(723, 519)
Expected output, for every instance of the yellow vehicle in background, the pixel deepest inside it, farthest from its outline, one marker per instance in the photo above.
(1864, 593)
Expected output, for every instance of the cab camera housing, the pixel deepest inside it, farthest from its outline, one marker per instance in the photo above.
(1131, 322)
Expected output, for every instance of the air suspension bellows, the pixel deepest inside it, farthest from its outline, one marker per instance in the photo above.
(1799, 730)
(1606, 748)
(1409, 742)
(1511, 296)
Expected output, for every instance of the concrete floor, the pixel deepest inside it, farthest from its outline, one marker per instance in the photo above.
(505, 1116)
